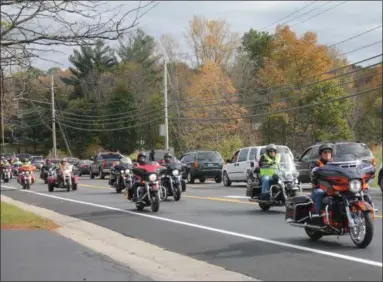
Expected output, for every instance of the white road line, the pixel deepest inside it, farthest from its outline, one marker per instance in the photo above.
(235, 234)
(236, 197)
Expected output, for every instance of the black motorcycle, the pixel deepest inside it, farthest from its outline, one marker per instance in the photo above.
(171, 182)
(121, 178)
(44, 172)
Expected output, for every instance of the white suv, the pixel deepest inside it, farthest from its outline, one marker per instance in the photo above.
(235, 170)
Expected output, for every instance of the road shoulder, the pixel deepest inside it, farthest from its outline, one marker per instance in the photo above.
(146, 259)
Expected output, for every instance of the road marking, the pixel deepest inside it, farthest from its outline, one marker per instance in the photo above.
(206, 198)
(236, 197)
(221, 231)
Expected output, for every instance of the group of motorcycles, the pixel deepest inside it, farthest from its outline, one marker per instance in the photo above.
(59, 178)
(155, 182)
(346, 208)
(23, 174)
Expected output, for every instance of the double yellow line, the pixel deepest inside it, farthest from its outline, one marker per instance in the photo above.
(201, 198)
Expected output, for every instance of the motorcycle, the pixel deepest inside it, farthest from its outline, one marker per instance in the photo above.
(25, 177)
(6, 173)
(64, 179)
(287, 185)
(147, 191)
(15, 169)
(345, 208)
(122, 179)
(44, 172)
(170, 182)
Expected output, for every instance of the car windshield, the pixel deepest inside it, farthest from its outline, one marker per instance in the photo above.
(110, 156)
(209, 156)
(358, 149)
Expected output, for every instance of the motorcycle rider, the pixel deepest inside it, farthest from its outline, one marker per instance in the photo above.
(4, 162)
(27, 162)
(61, 167)
(325, 156)
(117, 167)
(17, 162)
(141, 160)
(270, 159)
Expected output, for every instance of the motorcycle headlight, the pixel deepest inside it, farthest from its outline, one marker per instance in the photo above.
(175, 172)
(27, 172)
(152, 177)
(355, 186)
(67, 171)
(122, 171)
(127, 171)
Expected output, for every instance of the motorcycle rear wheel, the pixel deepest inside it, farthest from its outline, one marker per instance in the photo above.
(313, 234)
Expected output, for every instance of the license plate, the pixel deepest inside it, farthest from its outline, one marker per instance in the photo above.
(210, 165)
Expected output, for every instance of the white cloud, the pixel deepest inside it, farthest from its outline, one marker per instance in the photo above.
(333, 26)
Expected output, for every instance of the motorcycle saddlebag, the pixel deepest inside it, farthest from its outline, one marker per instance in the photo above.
(298, 207)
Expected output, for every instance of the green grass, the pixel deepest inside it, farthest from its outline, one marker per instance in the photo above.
(13, 217)
(377, 151)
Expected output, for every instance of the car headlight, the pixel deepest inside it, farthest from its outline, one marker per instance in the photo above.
(175, 172)
(152, 177)
(355, 186)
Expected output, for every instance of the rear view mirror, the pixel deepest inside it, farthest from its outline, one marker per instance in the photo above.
(251, 164)
(297, 158)
(228, 161)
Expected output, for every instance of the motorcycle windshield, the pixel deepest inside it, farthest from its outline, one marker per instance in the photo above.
(287, 169)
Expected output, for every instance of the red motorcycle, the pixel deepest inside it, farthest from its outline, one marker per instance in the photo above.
(26, 177)
(345, 208)
(147, 191)
(64, 179)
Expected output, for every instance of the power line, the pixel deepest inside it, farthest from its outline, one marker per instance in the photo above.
(319, 13)
(266, 27)
(109, 129)
(288, 110)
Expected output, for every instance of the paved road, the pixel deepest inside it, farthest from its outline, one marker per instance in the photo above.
(210, 224)
(40, 255)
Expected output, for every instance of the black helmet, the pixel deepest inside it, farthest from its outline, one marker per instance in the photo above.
(271, 147)
(325, 146)
(167, 155)
(141, 154)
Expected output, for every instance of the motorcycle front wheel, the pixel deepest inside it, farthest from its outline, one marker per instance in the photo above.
(362, 234)
(155, 206)
(177, 193)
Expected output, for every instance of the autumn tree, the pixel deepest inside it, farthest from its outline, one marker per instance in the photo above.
(210, 85)
(212, 40)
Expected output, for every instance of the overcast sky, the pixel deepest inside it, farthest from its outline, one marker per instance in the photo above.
(335, 25)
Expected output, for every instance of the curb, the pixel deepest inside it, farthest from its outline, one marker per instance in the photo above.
(145, 258)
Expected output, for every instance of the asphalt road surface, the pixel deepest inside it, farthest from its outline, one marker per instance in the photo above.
(40, 255)
(220, 226)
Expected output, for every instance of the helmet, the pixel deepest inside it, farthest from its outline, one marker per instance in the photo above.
(325, 146)
(271, 147)
(17, 159)
(167, 155)
(63, 161)
(141, 154)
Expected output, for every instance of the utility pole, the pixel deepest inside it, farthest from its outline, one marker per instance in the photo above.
(166, 104)
(53, 118)
(2, 100)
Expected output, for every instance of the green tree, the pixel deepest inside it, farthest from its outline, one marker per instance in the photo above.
(257, 45)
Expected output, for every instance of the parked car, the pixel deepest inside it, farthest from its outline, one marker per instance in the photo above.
(23, 156)
(202, 165)
(37, 161)
(83, 167)
(102, 163)
(311, 154)
(235, 170)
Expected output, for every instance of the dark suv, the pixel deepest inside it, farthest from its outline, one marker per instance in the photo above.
(202, 165)
(311, 154)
